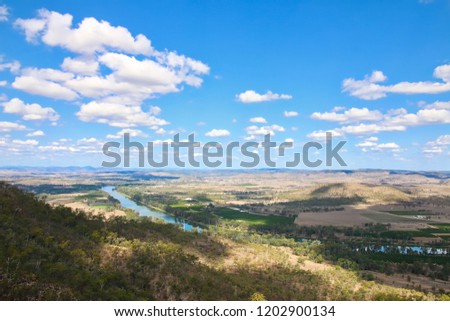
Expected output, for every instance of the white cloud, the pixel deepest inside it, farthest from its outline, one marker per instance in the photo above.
(258, 120)
(160, 131)
(218, 133)
(358, 130)
(84, 141)
(89, 145)
(3, 83)
(250, 96)
(132, 132)
(433, 150)
(6, 126)
(42, 87)
(290, 113)
(13, 66)
(36, 133)
(422, 117)
(338, 108)
(393, 120)
(29, 111)
(28, 142)
(155, 110)
(118, 115)
(370, 89)
(442, 140)
(438, 105)
(370, 144)
(366, 144)
(322, 134)
(17, 147)
(254, 131)
(80, 66)
(437, 146)
(392, 146)
(349, 116)
(368, 129)
(4, 13)
(90, 36)
(58, 148)
(112, 67)
(131, 81)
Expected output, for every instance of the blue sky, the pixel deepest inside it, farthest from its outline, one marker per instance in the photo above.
(74, 75)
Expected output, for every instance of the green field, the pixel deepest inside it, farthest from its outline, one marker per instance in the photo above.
(252, 219)
(103, 206)
(409, 213)
(429, 232)
(230, 214)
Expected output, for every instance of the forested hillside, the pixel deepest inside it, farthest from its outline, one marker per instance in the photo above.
(55, 253)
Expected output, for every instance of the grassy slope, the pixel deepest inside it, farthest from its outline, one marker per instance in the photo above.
(56, 253)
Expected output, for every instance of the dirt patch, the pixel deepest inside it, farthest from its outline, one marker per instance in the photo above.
(95, 211)
(411, 281)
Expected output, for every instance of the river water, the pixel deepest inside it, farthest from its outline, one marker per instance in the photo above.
(145, 211)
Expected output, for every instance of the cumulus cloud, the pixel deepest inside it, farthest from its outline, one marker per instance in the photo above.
(391, 121)
(438, 105)
(111, 67)
(429, 150)
(254, 131)
(369, 129)
(36, 133)
(349, 116)
(388, 146)
(29, 111)
(442, 140)
(118, 115)
(17, 147)
(80, 65)
(251, 96)
(13, 66)
(218, 133)
(258, 120)
(322, 134)
(290, 113)
(370, 144)
(370, 88)
(4, 13)
(45, 82)
(28, 142)
(160, 131)
(437, 146)
(422, 117)
(130, 81)
(155, 110)
(90, 36)
(90, 145)
(132, 132)
(6, 126)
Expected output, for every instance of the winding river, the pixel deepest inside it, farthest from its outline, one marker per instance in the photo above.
(145, 211)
